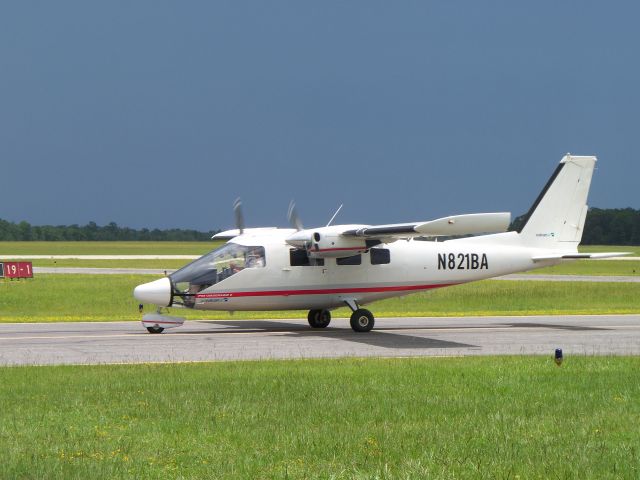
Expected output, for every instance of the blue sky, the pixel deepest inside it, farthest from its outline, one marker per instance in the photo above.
(160, 114)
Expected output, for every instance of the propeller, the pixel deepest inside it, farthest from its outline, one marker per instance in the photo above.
(237, 211)
(294, 219)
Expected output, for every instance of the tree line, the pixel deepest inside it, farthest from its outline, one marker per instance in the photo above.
(23, 231)
(612, 226)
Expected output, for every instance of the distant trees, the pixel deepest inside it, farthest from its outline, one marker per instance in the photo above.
(24, 231)
(612, 226)
(606, 226)
(618, 226)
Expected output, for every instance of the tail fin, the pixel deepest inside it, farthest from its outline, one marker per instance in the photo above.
(556, 219)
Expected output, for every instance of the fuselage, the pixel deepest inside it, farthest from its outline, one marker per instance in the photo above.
(386, 270)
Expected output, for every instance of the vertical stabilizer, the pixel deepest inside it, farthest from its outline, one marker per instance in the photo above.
(556, 219)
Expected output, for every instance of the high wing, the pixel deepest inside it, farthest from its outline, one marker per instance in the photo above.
(470, 224)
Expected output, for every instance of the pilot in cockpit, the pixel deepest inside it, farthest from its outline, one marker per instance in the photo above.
(254, 259)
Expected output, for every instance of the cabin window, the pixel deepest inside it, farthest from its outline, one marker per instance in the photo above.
(353, 260)
(380, 256)
(299, 258)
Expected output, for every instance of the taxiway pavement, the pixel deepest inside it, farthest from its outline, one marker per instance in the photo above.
(128, 342)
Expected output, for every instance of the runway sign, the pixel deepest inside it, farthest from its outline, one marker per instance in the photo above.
(17, 269)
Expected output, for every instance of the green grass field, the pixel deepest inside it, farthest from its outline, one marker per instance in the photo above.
(155, 264)
(107, 248)
(483, 417)
(48, 298)
(109, 297)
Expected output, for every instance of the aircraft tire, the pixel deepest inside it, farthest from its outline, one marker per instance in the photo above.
(155, 329)
(319, 318)
(362, 320)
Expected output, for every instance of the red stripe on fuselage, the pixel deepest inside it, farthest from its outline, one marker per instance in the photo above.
(323, 291)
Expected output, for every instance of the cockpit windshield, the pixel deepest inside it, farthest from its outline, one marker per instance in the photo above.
(213, 268)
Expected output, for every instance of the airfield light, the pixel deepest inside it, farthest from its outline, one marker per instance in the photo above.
(558, 356)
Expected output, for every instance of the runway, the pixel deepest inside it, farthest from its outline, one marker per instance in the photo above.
(128, 342)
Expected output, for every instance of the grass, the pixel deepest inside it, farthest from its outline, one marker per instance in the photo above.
(138, 264)
(49, 298)
(107, 248)
(482, 417)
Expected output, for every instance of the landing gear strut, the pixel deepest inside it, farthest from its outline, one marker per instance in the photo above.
(362, 320)
(319, 318)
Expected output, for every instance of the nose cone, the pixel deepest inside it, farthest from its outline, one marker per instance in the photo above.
(157, 292)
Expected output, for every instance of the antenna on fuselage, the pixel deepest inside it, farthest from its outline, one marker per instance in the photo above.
(335, 214)
(237, 211)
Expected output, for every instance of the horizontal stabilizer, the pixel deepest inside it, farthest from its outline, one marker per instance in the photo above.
(470, 224)
(577, 256)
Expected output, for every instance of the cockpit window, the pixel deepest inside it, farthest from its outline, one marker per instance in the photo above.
(213, 268)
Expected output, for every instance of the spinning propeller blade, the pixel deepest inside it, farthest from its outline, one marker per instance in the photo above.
(294, 219)
(237, 211)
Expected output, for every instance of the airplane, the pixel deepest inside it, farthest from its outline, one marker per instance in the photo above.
(320, 269)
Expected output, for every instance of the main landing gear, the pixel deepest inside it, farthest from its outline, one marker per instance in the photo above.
(319, 318)
(362, 320)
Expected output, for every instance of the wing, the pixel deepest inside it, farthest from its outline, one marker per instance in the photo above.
(470, 224)
(229, 234)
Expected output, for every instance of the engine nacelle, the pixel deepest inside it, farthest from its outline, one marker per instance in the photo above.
(332, 245)
(327, 242)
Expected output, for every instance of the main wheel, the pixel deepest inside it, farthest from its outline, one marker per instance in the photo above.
(155, 329)
(362, 320)
(319, 318)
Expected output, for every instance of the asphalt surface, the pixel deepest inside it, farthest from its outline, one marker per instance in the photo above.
(128, 342)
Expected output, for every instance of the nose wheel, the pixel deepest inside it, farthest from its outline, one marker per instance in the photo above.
(155, 329)
(319, 318)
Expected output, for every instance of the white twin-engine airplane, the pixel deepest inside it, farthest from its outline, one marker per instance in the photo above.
(320, 269)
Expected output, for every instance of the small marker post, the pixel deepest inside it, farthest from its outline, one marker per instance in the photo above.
(558, 357)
